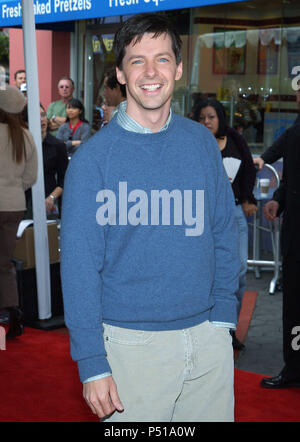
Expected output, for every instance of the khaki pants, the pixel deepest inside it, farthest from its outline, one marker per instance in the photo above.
(172, 376)
(9, 223)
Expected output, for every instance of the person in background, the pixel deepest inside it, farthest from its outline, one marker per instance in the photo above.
(98, 114)
(286, 201)
(18, 172)
(55, 165)
(149, 298)
(242, 174)
(20, 78)
(108, 112)
(76, 129)
(23, 89)
(276, 150)
(56, 112)
(55, 162)
(114, 93)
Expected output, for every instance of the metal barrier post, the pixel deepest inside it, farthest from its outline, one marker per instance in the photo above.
(274, 229)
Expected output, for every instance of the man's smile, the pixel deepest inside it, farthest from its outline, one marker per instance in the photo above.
(151, 87)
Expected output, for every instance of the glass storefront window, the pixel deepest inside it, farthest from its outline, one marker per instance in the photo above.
(243, 54)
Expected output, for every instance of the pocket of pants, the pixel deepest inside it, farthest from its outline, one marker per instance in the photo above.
(221, 330)
(125, 336)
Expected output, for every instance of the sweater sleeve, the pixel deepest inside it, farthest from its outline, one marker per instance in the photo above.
(50, 111)
(82, 258)
(275, 152)
(61, 133)
(61, 164)
(227, 263)
(86, 132)
(249, 173)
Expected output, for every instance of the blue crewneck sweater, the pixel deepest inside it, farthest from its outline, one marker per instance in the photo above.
(148, 237)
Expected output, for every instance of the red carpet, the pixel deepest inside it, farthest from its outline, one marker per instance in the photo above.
(257, 404)
(39, 383)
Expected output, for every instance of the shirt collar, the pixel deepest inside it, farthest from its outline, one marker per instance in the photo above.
(128, 123)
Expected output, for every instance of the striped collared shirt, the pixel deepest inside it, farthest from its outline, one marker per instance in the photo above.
(128, 123)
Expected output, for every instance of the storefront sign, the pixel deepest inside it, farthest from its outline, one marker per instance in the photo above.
(47, 11)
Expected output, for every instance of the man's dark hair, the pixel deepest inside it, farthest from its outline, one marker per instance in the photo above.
(220, 111)
(138, 25)
(112, 81)
(20, 71)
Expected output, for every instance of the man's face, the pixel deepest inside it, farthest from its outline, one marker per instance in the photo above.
(149, 71)
(65, 89)
(107, 111)
(20, 79)
(112, 96)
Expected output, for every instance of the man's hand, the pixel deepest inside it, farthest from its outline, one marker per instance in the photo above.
(270, 210)
(102, 397)
(49, 204)
(76, 143)
(56, 122)
(249, 208)
(259, 161)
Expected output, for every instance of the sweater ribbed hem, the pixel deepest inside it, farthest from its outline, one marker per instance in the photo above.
(178, 324)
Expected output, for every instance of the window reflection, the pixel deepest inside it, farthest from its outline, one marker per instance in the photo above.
(243, 54)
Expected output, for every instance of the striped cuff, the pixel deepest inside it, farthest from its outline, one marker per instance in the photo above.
(224, 324)
(95, 378)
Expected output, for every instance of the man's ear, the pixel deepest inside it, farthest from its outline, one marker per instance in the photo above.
(120, 76)
(179, 71)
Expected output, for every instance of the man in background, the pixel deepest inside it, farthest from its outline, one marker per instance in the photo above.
(20, 78)
(113, 93)
(56, 112)
(286, 200)
(275, 151)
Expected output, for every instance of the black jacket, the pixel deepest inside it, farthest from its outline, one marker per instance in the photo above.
(55, 161)
(248, 171)
(275, 152)
(288, 193)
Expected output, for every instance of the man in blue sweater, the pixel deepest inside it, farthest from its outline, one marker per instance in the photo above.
(149, 249)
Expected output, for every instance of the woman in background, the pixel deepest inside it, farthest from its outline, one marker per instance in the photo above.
(76, 129)
(241, 172)
(55, 161)
(18, 172)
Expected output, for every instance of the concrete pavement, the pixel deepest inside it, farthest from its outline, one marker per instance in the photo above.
(263, 343)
